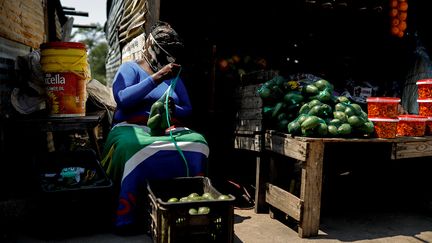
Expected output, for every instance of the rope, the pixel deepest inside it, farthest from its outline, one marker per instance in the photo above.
(170, 90)
(65, 67)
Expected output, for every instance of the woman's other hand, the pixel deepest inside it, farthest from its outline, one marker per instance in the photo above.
(167, 72)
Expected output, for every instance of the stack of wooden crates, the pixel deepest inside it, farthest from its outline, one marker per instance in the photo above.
(250, 124)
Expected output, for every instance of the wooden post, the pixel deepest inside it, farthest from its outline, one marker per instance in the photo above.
(262, 171)
(273, 178)
(311, 186)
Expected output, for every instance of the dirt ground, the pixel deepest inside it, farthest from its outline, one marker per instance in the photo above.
(392, 204)
(249, 227)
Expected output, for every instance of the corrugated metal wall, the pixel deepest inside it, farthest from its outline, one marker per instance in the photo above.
(114, 54)
(127, 20)
(133, 19)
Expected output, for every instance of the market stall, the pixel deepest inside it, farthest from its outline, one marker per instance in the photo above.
(310, 151)
(299, 119)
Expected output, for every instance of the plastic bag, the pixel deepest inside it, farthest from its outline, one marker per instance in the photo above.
(308, 125)
(158, 119)
(421, 69)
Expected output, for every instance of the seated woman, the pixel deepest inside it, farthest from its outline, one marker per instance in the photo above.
(132, 153)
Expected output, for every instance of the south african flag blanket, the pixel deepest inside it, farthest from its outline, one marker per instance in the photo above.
(132, 156)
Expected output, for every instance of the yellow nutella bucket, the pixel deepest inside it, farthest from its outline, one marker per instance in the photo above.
(66, 73)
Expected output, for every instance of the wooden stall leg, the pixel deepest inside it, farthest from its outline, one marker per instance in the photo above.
(272, 178)
(261, 177)
(310, 192)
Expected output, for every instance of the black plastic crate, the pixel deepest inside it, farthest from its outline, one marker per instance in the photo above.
(64, 207)
(90, 176)
(172, 222)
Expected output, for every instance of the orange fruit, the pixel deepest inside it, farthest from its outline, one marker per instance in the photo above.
(395, 22)
(223, 65)
(400, 34)
(403, 15)
(395, 30)
(393, 12)
(402, 26)
(394, 3)
(403, 6)
(236, 58)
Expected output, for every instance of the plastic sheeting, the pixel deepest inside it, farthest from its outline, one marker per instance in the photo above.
(421, 69)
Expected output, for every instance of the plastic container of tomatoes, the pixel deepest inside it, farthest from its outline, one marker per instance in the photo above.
(424, 88)
(425, 107)
(411, 126)
(384, 107)
(384, 127)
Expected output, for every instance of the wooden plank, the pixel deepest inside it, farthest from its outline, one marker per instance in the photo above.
(284, 201)
(248, 143)
(249, 125)
(258, 77)
(412, 149)
(287, 146)
(247, 91)
(310, 192)
(249, 102)
(249, 114)
(244, 133)
(261, 178)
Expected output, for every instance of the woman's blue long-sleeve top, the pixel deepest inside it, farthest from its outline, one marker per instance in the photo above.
(135, 91)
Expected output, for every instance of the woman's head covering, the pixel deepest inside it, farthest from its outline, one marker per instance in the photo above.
(162, 46)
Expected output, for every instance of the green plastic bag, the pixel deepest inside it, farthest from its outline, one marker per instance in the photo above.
(158, 119)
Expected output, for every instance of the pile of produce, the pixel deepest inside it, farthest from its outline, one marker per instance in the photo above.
(310, 108)
(196, 197)
(398, 15)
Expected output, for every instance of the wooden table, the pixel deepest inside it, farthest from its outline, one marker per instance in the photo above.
(43, 123)
(310, 151)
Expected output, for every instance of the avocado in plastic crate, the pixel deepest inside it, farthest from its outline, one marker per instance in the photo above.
(183, 221)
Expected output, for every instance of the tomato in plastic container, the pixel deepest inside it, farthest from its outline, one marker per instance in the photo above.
(385, 107)
(411, 126)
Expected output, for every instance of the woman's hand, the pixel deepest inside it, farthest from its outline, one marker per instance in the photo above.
(167, 72)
